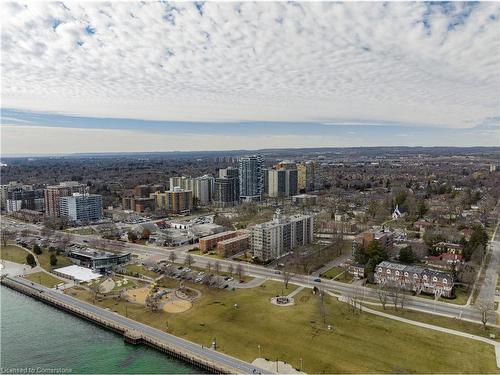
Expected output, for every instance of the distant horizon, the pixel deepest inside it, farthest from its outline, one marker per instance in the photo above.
(237, 152)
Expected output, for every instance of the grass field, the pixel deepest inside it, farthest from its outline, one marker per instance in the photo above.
(44, 260)
(357, 344)
(13, 253)
(211, 254)
(139, 269)
(332, 272)
(459, 325)
(44, 279)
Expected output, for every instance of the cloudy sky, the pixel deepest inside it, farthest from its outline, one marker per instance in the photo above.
(158, 76)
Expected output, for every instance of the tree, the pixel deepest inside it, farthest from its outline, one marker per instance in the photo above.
(406, 255)
(188, 260)
(239, 271)
(145, 234)
(395, 292)
(132, 237)
(153, 300)
(217, 267)
(209, 268)
(95, 287)
(37, 249)
(53, 259)
(421, 209)
(6, 236)
(287, 275)
(485, 308)
(383, 294)
(172, 256)
(30, 259)
(230, 269)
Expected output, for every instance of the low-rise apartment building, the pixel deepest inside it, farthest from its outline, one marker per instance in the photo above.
(210, 242)
(415, 278)
(235, 245)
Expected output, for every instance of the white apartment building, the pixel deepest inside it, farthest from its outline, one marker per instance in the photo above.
(81, 207)
(273, 239)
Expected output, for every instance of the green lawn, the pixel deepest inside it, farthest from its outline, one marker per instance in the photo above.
(211, 254)
(139, 269)
(332, 272)
(459, 325)
(81, 231)
(44, 259)
(358, 343)
(44, 279)
(13, 253)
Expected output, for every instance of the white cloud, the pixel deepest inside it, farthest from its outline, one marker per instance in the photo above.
(254, 61)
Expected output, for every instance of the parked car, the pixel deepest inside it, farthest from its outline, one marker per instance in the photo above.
(318, 280)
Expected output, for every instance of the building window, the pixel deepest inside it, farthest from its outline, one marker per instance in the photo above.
(397, 273)
(380, 269)
(445, 281)
(425, 277)
(435, 279)
(388, 272)
(406, 274)
(415, 275)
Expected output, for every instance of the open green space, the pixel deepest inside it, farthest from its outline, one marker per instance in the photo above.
(211, 254)
(44, 279)
(44, 260)
(136, 270)
(332, 272)
(459, 325)
(241, 320)
(13, 253)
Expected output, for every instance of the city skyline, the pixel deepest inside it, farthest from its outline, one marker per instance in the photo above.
(94, 77)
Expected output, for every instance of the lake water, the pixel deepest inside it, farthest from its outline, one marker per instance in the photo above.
(35, 335)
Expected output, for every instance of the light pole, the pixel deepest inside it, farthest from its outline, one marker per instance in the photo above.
(260, 347)
(301, 362)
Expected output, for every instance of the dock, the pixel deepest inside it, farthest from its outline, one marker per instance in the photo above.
(134, 332)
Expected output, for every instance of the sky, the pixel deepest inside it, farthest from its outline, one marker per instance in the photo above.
(160, 76)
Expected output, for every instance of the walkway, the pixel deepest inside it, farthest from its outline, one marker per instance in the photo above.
(153, 335)
(337, 261)
(254, 283)
(296, 291)
(435, 328)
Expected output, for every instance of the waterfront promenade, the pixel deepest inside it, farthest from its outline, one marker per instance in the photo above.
(205, 358)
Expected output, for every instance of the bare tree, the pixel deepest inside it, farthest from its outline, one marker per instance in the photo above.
(209, 268)
(354, 300)
(172, 256)
(188, 260)
(239, 271)
(322, 307)
(395, 292)
(383, 294)
(153, 300)
(95, 288)
(217, 267)
(485, 308)
(6, 236)
(466, 275)
(287, 275)
(230, 269)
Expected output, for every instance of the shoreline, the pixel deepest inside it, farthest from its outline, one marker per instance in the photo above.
(134, 332)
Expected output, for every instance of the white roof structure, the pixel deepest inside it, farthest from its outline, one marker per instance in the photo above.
(78, 273)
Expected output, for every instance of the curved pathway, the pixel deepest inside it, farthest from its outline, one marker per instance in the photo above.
(495, 344)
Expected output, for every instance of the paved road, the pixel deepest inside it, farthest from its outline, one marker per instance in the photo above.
(415, 303)
(488, 287)
(211, 355)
